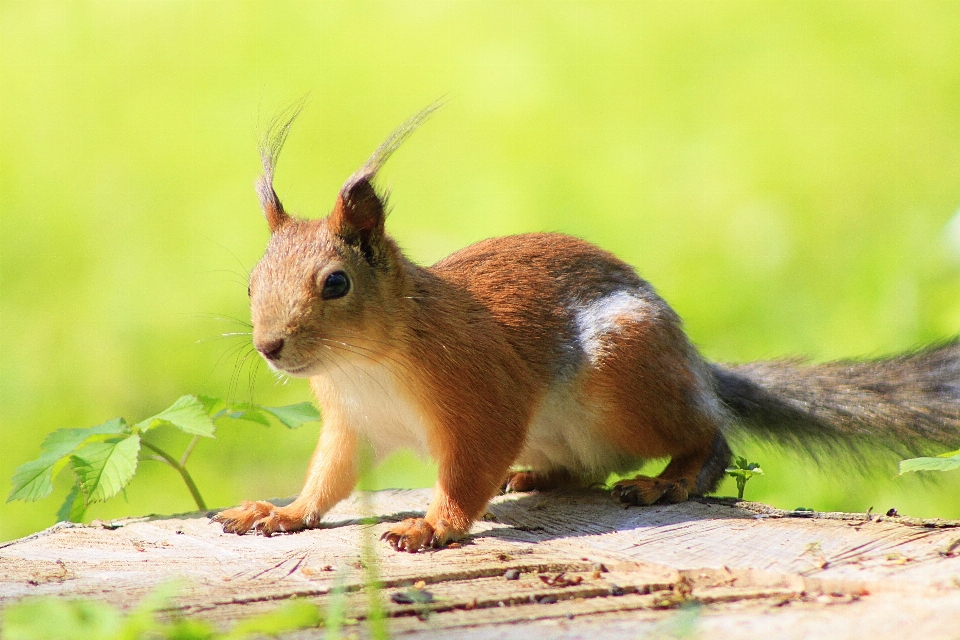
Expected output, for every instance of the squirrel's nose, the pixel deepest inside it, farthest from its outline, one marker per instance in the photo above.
(270, 348)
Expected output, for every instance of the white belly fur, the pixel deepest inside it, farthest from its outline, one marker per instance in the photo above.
(371, 399)
(565, 432)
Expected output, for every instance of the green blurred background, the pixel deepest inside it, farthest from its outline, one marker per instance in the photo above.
(786, 174)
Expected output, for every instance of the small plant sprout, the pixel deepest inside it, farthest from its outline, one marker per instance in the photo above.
(742, 472)
(943, 462)
(104, 458)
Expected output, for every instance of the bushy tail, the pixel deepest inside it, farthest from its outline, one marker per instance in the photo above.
(909, 403)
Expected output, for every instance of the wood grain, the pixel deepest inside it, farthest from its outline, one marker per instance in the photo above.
(627, 572)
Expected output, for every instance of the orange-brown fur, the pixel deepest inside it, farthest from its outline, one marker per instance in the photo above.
(539, 351)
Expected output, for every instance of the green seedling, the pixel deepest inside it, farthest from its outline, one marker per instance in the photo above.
(104, 458)
(742, 472)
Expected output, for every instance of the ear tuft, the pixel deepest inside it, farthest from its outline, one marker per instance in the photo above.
(271, 144)
(359, 213)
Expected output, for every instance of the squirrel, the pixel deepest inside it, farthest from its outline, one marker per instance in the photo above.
(530, 362)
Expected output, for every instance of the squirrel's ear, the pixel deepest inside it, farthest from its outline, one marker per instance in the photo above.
(270, 203)
(359, 213)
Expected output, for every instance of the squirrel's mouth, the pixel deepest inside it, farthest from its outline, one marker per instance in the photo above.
(301, 371)
(294, 371)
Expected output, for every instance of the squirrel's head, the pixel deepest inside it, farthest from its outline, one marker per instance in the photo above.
(325, 290)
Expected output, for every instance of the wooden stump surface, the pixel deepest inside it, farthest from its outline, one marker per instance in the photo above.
(750, 569)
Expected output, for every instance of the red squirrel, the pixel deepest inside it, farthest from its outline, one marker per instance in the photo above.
(528, 362)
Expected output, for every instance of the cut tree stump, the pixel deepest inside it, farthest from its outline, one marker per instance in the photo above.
(749, 568)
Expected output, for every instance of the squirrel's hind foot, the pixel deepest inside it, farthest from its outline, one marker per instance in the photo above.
(644, 490)
(521, 481)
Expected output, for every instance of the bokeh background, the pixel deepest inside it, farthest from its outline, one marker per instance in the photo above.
(786, 174)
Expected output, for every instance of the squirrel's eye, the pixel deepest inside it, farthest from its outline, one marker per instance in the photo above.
(336, 285)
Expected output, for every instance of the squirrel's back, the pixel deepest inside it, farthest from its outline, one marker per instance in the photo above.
(550, 292)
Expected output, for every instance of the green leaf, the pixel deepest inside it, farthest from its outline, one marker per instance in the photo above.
(949, 454)
(210, 404)
(248, 412)
(73, 508)
(188, 413)
(34, 480)
(294, 415)
(930, 464)
(63, 441)
(297, 614)
(46, 618)
(186, 629)
(104, 468)
(142, 621)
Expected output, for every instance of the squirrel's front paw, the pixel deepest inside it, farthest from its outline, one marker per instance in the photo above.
(260, 516)
(414, 534)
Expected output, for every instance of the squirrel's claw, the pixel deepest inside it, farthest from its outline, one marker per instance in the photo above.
(262, 517)
(519, 482)
(241, 519)
(412, 535)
